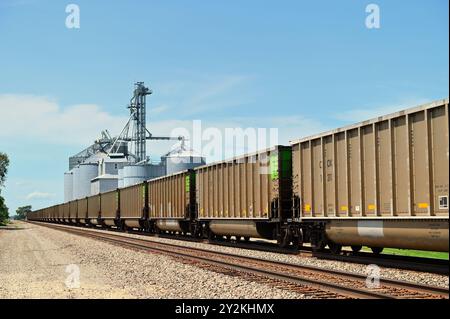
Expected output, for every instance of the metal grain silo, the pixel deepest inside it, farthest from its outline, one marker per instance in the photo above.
(181, 161)
(104, 183)
(68, 186)
(120, 178)
(75, 176)
(82, 176)
(135, 174)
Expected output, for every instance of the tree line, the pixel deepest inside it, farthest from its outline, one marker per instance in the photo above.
(21, 212)
(4, 163)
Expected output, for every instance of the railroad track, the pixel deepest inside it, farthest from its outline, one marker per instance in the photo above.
(435, 266)
(429, 265)
(311, 281)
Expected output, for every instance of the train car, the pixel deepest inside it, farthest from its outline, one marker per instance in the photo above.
(47, 212)
(109, 208)
(65, 216)
(51, 211)
(55, 213)
(73, 212)
(32, 215)
(93, 210)
(42, 214)
(379, 183)
(171, 202)
(83, 211)
(133, 207)
(59, 213)
(248, 196)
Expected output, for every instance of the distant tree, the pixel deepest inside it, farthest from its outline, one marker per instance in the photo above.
(3, 210)
(22, 212)
(4, 163)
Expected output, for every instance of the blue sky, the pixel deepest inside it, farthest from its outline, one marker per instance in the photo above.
(300, 66)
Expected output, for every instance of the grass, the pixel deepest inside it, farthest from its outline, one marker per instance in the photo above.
(3, 222)
(414, 253)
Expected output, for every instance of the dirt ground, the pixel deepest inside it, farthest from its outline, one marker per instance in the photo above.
(38, 262)
(32, 266)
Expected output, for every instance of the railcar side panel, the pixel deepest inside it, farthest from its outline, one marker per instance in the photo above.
(392, 168)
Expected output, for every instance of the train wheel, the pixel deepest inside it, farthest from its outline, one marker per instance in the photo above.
(319, 246)
(377, 250)
(283, 238)
(356, 249)
(247, 239)
(228, 237)
(297, 242)
(211, 236)
(335, 248)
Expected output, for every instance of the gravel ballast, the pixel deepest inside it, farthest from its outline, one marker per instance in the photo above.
(389, 273)
(38, 262)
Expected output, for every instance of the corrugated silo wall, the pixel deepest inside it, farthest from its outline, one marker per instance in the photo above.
(68, 187)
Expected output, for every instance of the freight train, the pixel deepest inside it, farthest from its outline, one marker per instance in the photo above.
(380, 183)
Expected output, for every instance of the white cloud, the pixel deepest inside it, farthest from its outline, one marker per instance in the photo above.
(205, 93)
(206, 97)
(39, 196)
(41, 118)
(22, 184)
(158, 109)
(369, 112)
(44, 121)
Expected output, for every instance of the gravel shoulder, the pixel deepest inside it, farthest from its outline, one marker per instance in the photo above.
(38, 262)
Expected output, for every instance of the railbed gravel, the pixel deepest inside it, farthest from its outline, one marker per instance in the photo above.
(34, 258)
(388, 273)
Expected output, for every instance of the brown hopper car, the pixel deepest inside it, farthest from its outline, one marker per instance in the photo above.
(66, 212)
(172, 202)
(83, 210)
(133, 206)
(380, 183)
(109, 208)
(93, 209)
(73, 211)
(249, 196)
